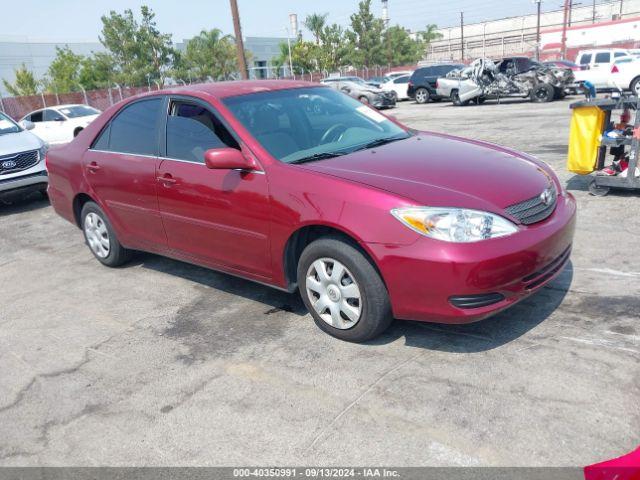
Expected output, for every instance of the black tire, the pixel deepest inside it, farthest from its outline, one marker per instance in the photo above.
(597, 190)
(364, 99)
(422, 95)
(77, 131)
(375, 316)
(480, 100)
(543, 93)
(455, 98)
(118, 255)
(635, 86)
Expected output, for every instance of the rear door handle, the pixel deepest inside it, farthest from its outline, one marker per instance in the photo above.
(167, 179)
(93, 167)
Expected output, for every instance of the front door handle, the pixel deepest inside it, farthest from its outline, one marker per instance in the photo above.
(93, 167)
(167, 179)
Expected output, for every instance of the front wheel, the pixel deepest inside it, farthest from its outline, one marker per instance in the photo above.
(635, 86)
(455, 98)
(101, 238)
(343, 291)
(364, 99)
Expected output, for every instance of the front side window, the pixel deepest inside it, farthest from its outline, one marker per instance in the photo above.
(36, 117)
(192, 130)
(603, 57)
(309, 124)
(133, 130)
(585, 59)
(52, 116)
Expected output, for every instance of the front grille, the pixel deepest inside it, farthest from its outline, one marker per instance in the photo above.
(17, 162)
(534, 210)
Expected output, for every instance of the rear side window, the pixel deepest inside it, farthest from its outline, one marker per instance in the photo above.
(52, 116)
(133, 130)
(619, 54)
(192, 130)
(402, 80)
(36, 117)
(585, 59)
(603, 57)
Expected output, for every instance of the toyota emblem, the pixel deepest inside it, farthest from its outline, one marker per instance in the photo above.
(8, 164)
(546, 197)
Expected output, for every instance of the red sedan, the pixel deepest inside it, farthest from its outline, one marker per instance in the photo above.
(299, 186)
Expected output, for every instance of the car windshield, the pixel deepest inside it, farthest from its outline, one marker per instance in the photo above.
(77, 111)
(310, 124)
(7, 125)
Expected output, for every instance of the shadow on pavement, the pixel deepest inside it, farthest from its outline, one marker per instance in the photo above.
(487, 334)
(22, 203)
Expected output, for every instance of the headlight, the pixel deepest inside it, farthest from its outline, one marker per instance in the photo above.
(457, 225)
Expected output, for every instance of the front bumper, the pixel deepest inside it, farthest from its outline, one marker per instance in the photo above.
(33, 180)
(426, 279)
(382, 101)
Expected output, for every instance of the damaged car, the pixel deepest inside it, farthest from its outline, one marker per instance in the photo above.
(510, 77)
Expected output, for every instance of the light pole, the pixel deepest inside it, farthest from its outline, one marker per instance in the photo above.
(539, 2)
(290, 59)
(242, 61)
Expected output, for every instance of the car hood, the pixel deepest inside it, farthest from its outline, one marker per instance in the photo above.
(440, 170)
(18, 142)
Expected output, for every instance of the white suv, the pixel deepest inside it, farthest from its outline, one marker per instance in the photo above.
(598, 65)
(21, 158)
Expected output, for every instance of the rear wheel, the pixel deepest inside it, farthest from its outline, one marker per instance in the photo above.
(364, 99)
(343, 291)
(542, 93)
(422, 95)
(101, 238)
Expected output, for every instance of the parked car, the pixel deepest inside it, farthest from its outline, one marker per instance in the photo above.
(22, 166)
(509, 77)
(598, 65)
(422, 84)
(399, 73)
(59, 124)
(399, 87)
(299, 186)
(362, 91)
(625, 75)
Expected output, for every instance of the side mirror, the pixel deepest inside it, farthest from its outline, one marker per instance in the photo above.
(28, 125)
(227, 159)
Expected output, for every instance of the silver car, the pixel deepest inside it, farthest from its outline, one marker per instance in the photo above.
(22, 166)
(363, 91)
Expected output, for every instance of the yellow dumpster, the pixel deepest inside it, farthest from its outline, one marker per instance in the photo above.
(587, 125)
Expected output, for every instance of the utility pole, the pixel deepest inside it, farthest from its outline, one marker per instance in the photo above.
(462, 35)
(242, 61)
(621, 6)
(564, 28)
(594, 12)
(539, 2)
(570, 12)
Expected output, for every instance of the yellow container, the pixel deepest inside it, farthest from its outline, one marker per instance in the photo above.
(587, 125)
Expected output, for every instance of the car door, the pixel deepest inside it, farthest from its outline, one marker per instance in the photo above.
(400, 85)
(120, 167)
(600, 69)
(55, 125)
(216, 217)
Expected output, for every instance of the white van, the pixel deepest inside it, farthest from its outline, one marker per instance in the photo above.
(598, 64)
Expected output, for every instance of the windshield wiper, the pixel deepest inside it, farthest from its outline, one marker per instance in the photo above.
(317, 156)
(379, 142)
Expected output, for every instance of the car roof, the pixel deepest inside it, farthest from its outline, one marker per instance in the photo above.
(237, 88)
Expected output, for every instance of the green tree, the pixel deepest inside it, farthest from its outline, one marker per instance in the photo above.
(63, 74)
(365, 37)
(430, 34)
(211, 54)
(25, 83)
(97, 71)
(315, 23)
(304, 56)
(334, 50)
(400, 48)
(139, 50)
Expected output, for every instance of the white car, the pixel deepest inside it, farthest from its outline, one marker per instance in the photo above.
(625, 75)
(598, 65)
(398, 86)
(60, 124)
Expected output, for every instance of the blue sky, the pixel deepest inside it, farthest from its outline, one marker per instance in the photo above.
(80, 19)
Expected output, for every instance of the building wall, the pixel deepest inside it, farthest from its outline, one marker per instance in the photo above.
(517, 35)
(36, 54)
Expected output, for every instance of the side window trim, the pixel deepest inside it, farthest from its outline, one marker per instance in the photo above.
(198, 101)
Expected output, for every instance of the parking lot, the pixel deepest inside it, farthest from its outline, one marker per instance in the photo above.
(164, 363)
